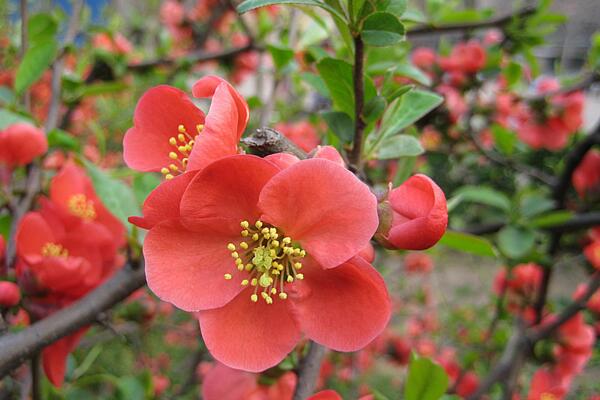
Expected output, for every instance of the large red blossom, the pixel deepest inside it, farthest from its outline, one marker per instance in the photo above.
(313, 217)
(547, 384)
(20, 143)
(417, 214)
(172, 135)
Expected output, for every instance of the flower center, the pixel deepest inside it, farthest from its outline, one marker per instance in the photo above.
(548, 396)
(54, 250)
(182, 147)
(80, 206)
(269, 260)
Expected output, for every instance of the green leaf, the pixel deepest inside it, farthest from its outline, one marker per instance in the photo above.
(357, 6)
(374, 109)
(8, 117)
(414, 15)
(316, 82)
(250, 5)
(484, 195)
(115, 194)
(40, 27)
(504, 139)
(340, 124)
(6, 95)
(36, 60)
(129, 388)
(382, 29)
(143, 184)
(594, 53)
(515, 242)
(512, 73)
(101, 88)
(399, 146)
(468, 243)
(408, 109)
(63, 140)
(535, 204)
(412, 72)
(551, 219)
(406, 166)
(396, 7)
(337, 75)
(281, 56)
(426, 380)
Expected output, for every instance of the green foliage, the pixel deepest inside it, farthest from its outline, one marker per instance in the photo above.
(468, 243)
(250, 5)
(399, 146)
(382, 29)
(340, 124)
(281, 56)
(41, 51)
(8, 117)
(484, 195)
(426, 380)
(516, 242)
(63, 140)
(505, 139)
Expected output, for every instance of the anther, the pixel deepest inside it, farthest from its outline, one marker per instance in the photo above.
(228, 276)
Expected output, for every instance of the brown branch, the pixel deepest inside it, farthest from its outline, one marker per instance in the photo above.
(17, 347)
(308, 371)
(193, 57)
(359, 123)
(498, 22)
(265, 141)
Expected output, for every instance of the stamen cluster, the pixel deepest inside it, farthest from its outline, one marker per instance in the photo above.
(183, 144)
(269, 260)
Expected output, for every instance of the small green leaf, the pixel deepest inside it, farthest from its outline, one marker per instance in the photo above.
(8, 117)
(382, 29)
(468, 243)
(515, 242)
(408, 109)
(40, 27)
(484, 195)
(115, 194)
(374, 109)
(551, 219)
(426, 380)
(281, 56)
(340, 124)
(396, 7)
(512, 73)
(399, 146)
(412, 72)
(130, 388)
(36, 60)
(250, 5)
(63, 140)
(504, 139)
(535, 204)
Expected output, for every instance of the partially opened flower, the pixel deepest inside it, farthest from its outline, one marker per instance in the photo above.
(20, 143)
(265, 255)
(415, 215)
(172, 135)
(10, 294)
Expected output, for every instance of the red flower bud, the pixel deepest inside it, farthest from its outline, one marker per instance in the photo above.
(20, 143)
(10, 295)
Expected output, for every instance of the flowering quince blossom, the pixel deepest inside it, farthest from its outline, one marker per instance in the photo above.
(10, 294)
(547, 385)
(265, 254)
(302, 133)
(20, 143)
(414, 216)
(173, 136)
(586, 177)
(223, 383)
(592, 253)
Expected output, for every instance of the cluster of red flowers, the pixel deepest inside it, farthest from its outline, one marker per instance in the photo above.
(542, 123)
(64, 249)
(243, 241)
(519, 285)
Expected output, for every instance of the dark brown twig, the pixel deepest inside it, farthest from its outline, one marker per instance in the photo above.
(308, 372)
(265, 141)
(359, 123)
(498, 22)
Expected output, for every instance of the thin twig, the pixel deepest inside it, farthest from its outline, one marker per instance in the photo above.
(308, 372)
(265, 141)
(359, 123)
(499, 22)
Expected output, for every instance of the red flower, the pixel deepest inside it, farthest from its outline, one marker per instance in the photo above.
(54, 357)
(326, 395)
(467, 58)
(171, 135)
(116, 43)
(424, 58)
(10, 294)
(467, 385)
(547, 385)
(521, 284)
(593, 303)
(302, 133)
(313, 218)
(20, 143)
(592, 253)
(586, 177)
(418, 263)
(417, 215)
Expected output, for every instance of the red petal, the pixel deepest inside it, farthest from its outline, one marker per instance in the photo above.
(33, 234)
(157, 117)
(282, 160)
(187, 268)
(247, 335)
(343, 308)
(224, 383)
(54, 357)
(420, 214)
(324, 207)
(207, 86)
(220, 137)
(227, 189)
(20, 143)
(162, 203)
(326, 395)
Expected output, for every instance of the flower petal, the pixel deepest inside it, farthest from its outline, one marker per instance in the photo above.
(187, 268)
(157, 116)
(227, 189)
(224, 383)
(324, 207)
(54, 356)
(420, 214)
(33, 233)
(163, 202)
(247, 335)
(343, 308)
(207, 86)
